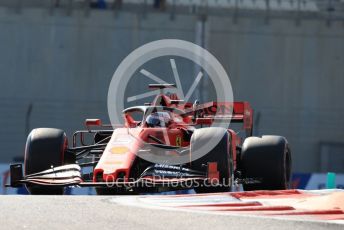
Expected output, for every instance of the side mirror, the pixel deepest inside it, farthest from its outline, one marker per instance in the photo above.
(93, 122)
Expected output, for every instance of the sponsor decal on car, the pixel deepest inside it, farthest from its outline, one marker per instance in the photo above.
(178, 141)
(119, 150)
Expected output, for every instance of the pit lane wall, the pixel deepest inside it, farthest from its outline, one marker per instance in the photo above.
(306, 181)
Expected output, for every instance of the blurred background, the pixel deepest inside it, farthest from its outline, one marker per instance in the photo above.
(286, 57)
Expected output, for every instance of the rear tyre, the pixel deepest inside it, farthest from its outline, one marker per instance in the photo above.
(45, 147)
(220, 154)
(268, 159)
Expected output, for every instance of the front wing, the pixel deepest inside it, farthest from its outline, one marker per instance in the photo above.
(70, 175)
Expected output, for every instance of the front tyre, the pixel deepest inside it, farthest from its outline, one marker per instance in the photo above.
(220, 154)
(45, 148)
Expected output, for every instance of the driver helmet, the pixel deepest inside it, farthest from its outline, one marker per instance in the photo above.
(158, 119)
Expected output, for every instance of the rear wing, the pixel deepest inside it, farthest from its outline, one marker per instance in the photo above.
(237, 112)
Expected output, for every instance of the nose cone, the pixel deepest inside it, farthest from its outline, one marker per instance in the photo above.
(118, 156)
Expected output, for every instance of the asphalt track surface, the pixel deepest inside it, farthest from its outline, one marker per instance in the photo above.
(104, 212)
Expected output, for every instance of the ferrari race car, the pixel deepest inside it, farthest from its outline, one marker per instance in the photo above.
(144, 154)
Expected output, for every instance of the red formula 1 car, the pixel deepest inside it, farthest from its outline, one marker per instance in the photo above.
(155, 150)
